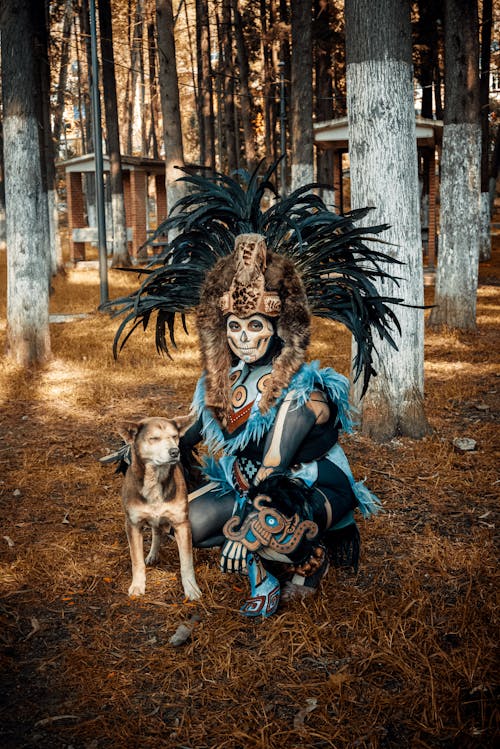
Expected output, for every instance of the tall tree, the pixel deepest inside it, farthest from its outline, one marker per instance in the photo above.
(2, 194)
(384, 174)
(457, 270)
(120, 247)
(323, 50)
(153, 90)
(28, 338)
(39, 12)
(228, 73)
(302, 165)
(138, 82)
(484, 96)
(58, 111)
(169, 95)
(246, 98)
(205, 89)
(267, 84)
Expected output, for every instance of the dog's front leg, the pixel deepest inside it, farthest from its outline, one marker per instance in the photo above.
(184, 542)
(154, 552)
(136, 545)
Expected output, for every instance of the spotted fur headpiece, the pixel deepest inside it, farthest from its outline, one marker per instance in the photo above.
(288, 260)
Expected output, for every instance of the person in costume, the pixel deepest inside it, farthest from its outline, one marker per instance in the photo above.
(276, 491)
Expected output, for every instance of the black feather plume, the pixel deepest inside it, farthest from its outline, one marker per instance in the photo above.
(338, 268)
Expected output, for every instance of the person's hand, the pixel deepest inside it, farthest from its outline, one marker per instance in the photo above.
(233, 557)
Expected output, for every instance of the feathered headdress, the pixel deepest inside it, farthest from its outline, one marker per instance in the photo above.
(288, 260)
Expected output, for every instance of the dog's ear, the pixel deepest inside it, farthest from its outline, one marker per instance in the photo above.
(128, 431)
(183, 423)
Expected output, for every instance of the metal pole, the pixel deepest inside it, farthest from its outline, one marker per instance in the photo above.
(281, 66)
(99, 175)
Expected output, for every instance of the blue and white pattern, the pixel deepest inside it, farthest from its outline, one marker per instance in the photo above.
(308, 378)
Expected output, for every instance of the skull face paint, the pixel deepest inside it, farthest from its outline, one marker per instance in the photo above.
(249, 337)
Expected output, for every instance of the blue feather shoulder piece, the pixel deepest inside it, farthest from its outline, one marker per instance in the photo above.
(309, 377)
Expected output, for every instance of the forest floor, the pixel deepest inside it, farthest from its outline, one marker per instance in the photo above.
(402, 656)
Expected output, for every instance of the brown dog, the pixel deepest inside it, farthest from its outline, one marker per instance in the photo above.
(154, 493)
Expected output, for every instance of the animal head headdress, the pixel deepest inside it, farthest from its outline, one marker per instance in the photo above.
(287, 261)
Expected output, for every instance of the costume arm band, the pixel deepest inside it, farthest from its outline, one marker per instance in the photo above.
(290, 428)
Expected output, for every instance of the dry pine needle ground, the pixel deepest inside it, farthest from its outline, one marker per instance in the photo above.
(401, 656)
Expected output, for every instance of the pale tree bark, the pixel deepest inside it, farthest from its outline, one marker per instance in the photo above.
(457, 270)
(484, 96)
(302, 160)
(169, 95)
(120, 246)
(384, 174)
(28, 338)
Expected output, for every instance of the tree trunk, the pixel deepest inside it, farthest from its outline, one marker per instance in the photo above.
(246, 99)
(205, 92)
(484, 97)
(76, 42)
(63, 73)
(228, 73)
(138, 86)
(2, 196)
(47, 155)
(89, 186)
(457, 270)
(302, 169)
(384, 174)
(267, 84)
(153, 91)
(323, 48)
(494, 168)
(120, 246)
(169, 95)
(28, 338)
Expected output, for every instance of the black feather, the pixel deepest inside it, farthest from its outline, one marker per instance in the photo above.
(339, 269)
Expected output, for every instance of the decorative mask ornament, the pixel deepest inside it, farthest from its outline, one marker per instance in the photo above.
(247, 294)
(249, 338)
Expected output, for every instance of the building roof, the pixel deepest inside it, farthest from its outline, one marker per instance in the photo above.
(85, 163)
(335, 133)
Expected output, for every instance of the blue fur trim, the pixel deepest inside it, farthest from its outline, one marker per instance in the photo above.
(308, 378)
(221, 472)
(368, 503)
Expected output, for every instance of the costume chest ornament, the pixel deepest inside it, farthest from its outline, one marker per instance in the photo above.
(247, 384)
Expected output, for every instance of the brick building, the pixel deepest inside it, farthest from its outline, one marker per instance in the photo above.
(145, 202)
(334, 135)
